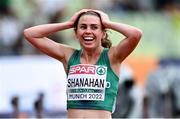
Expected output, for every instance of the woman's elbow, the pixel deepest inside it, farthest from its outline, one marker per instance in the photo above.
(26, 33)
(137, 34)
(29, 34)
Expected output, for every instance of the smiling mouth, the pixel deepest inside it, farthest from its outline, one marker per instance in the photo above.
(88, 38)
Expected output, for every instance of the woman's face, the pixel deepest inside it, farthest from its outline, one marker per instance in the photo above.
(89, 31)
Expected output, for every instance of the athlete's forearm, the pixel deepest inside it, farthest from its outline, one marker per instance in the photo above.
(46, 29)
(126, 30)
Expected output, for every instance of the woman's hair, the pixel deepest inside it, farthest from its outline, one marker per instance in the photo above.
(106, 42)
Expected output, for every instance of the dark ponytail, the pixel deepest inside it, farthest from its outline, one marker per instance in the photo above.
(106, 42)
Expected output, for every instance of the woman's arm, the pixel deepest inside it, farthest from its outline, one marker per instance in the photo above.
(127, 45)
(37, 36)
(46, 29)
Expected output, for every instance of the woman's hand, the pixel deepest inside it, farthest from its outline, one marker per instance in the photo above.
(75, 16)
(104, 17)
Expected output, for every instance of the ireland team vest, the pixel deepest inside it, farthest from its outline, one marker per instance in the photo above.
(91, 86)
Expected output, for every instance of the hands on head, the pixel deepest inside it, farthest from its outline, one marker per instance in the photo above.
(104, 16)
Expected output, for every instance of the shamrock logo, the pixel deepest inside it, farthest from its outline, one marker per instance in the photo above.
(101, 70)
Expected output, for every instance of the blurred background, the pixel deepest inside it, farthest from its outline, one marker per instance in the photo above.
(34, 85)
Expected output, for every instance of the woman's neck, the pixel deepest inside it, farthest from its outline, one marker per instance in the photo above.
(90, 57)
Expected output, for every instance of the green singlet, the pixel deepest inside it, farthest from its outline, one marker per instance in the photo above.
(91, 86)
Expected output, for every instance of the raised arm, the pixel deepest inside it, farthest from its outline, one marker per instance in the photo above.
(37, 36)
(127, 45)
(132, 37)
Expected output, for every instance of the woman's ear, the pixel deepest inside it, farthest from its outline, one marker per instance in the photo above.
(75, 36)
(104, 35)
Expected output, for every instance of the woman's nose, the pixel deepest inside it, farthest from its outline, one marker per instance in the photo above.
(88, 30)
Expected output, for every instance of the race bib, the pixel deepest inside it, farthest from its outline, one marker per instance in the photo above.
(86, 82)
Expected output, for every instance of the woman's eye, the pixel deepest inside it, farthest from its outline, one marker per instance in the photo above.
(94, 27)
(82, 27)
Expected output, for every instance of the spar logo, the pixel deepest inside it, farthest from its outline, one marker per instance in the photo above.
(87, 69)
(83, 69)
